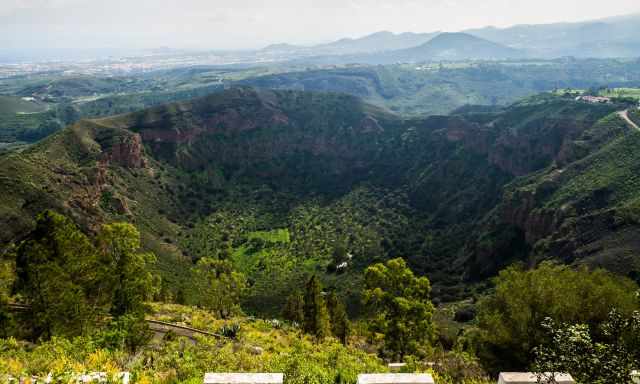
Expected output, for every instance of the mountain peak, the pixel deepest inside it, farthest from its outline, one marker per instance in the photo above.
(458, 46)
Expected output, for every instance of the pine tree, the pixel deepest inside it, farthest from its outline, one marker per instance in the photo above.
(316, 317)
(72, 283)
(294, 308)
(340, 326)
(119, 244)
(59, 274)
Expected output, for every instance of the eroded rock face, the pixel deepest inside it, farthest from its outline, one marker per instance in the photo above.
(126, 151)
(521, 210)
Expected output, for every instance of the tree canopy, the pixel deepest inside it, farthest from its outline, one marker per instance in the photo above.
(316, 316)
(511, 317)
(72, 283)
(403, 309)
(221, 288)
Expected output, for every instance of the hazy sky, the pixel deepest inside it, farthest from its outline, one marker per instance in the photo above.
(234, 24)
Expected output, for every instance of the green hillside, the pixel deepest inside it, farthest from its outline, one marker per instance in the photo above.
(347, 182)
(583, 209)
(17, 105)
(441, 88)
(407, 89)
(255, 202)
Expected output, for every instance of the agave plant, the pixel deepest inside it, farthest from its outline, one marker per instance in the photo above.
(230, 331)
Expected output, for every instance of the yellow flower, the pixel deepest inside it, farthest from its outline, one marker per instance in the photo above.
(14, 367)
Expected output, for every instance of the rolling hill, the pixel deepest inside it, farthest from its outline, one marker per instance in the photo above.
(11, 105)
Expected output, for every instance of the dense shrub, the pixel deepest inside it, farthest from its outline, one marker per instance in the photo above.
(511, 317)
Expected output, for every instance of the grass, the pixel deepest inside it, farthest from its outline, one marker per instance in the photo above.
(621, 92)
(612, 168)
(261, 345)
(274, 236)
(17, 105)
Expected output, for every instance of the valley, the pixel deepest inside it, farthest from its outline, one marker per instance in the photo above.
(280, 185)
(456, 201)
(332, 173)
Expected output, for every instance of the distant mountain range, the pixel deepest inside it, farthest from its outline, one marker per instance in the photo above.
(376, 42)
(610, 37)
(456, 46)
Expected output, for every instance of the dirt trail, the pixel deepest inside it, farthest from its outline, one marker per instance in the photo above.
(625, 116)
(154, 325)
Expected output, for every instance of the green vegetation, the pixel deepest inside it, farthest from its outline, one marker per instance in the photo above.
(222, 287)
(634, 115)
(71, 285)
(279, 203)
(293, 310)
(606, 355)
(411, 90)
(260, 347)
(342, 218)
(633, 93)
(316, 315)
(428, 89)
(511, 318)
(402, 307)
(338, 318)
(15, 105)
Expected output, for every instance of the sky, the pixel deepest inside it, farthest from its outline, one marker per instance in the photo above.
(248, 24)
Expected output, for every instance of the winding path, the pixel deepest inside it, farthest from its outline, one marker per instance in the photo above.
(625, 116)
(159, 327)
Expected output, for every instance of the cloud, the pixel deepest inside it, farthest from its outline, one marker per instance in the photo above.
(254, 23)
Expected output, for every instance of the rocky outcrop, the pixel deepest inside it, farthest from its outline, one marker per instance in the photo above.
(521, 209)
(126, 151)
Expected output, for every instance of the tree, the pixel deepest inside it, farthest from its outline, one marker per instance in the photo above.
(127, 268)
(340, 326)
(510, 319)
(72, 284)
(316, 317)
(221, 288)
(575, 349)
(294, 308)
(404, 311)
(59, 274)
(7, 276)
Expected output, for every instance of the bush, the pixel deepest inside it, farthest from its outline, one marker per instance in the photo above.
(609, 358)
(127, 332)
(511, 317)
(230, 331)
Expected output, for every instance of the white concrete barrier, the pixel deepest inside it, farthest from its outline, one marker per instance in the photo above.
(530, 377)
(396, 367)
(102, 377)
(396, 378)
(91, 377)
(243, 378)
